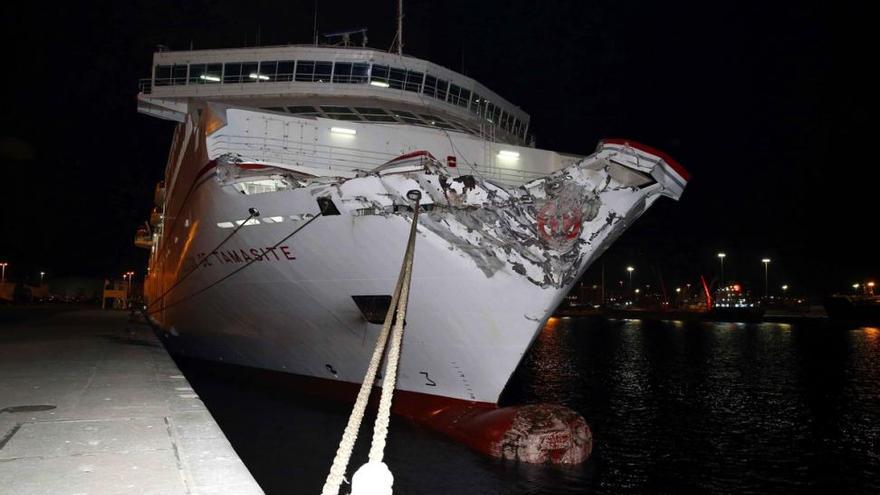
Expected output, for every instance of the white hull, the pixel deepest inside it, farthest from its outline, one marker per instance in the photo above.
(484, 282)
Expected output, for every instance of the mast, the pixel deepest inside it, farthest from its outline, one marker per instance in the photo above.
(399, 36)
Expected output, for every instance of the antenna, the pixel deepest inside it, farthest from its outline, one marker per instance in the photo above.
(398, 38)
(315, 26)
(400, 27)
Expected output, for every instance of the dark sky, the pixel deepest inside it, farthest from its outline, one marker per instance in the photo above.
(767, 105)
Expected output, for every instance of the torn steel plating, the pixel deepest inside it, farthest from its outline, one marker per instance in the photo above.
(546, 230)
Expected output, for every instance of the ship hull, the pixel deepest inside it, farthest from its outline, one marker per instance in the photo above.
(489, 267)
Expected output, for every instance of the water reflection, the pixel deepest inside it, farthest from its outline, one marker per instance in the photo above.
(701, 406)
(676, 407)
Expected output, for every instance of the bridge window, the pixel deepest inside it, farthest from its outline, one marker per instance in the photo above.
(340, 113)
(430, 85)
(414, 81)
(250, 72)
(442, 89)
(407, 117)
(307, 111)
(375, 114)
(167, 75)
(310, 71)
(268, 70)
(352, 73)
(231, 72)
(475, 103)
(396, 78)
(379, 73)
(205, 73)
(458, 95)
(285, 70)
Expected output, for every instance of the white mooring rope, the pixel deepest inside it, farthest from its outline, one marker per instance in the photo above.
(374, 477)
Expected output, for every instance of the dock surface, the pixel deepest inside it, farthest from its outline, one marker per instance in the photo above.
(91, 403)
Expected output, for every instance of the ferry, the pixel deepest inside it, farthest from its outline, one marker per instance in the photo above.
(280, 226)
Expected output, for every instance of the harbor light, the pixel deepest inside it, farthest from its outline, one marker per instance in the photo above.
(343, 130)
(379, 84)
(508, 155)
(3, 265)
(678, 289)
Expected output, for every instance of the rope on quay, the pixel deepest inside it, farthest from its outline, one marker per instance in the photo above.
(374, 477)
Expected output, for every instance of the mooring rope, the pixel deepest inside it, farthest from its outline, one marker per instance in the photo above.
(253, 212)
(234, 272)
(374, 477)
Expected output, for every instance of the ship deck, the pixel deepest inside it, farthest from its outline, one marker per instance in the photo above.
(92, 403)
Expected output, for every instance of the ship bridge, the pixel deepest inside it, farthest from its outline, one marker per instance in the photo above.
(343, 83)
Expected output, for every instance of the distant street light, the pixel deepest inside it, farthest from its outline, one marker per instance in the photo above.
(855, 288)
(784, 290)
(766, 262)
(3, 265)
(128, 289)
(721, 257)
(41, 278)
(630, 270)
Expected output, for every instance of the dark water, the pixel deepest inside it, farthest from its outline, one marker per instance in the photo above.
(675, 408)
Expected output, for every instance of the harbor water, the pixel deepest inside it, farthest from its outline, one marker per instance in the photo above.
(675, 407)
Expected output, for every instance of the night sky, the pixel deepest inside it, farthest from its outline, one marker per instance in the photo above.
(767, 105)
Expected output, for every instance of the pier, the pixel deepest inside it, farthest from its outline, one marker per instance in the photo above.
(91, 402)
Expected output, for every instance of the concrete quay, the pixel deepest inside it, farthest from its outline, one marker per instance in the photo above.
(91, 403)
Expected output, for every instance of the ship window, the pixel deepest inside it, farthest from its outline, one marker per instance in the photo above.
(340, 113)
(430, 85)
(504, 120)
(302, 110)
(269, 69)
(380, 118)
(345, 72)
(179, 74)
(475, 103)
(276, 109)
(342, 72)
(323, 70)
(163, 75)
(231, 72)
(455, 95)
(379, 73)
(396, 78)
(371, 111)
(284, 72)
(442, 87)
(414, 81)
(375, 114)
(250, 72)
(196, 71)
(305, 71)
(407, 117)
(464, 97)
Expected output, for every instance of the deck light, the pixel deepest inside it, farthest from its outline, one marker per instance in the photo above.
(206, 77)
(261, 77)
(507, 154)
(379, 84)
(343, 130)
